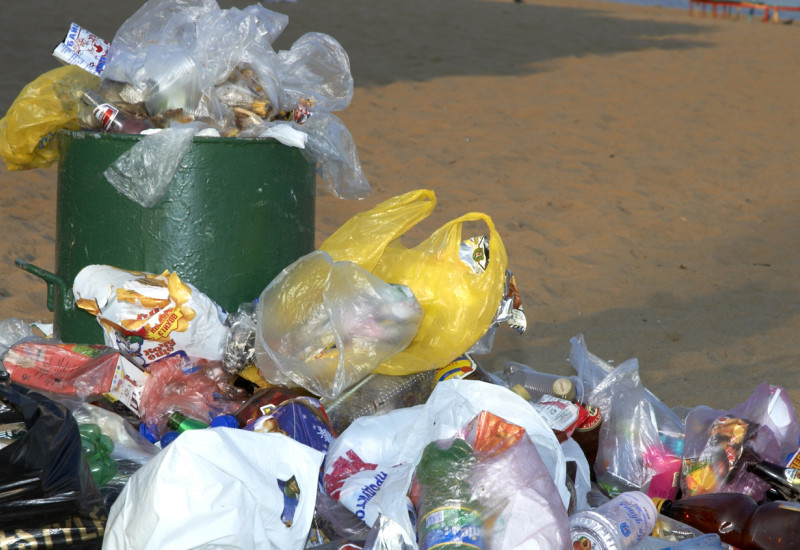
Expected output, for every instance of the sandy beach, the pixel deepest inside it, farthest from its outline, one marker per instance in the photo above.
(640, 164)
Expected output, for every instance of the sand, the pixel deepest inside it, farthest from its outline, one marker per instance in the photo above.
(640, 164)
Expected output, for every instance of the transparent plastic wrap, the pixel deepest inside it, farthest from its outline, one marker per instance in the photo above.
(144, 172)
(155, 51)
(316, 67)
(325, 325)
(719, 443)
(641, 438)
(379, 393)
(197, 389)
(44, 106)
(331, 146)
(13, 330)
(240, 346)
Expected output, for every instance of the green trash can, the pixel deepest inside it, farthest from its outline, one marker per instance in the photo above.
(236, 213)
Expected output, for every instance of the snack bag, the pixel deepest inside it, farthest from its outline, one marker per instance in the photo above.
(151, 316)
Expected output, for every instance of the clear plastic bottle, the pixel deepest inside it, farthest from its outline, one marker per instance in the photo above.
(622, 522)
(111, 119)
(541, 383)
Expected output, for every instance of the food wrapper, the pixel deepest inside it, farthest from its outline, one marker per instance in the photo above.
(151, 316)
(82, 370)
(83, 49)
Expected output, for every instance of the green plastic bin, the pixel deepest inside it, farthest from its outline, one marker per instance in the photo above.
(236, 213)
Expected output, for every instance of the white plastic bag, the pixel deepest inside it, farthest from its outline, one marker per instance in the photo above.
(217, 488)
(370, 465)
(325, 325)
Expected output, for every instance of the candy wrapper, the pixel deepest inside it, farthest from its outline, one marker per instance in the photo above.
(150, 316)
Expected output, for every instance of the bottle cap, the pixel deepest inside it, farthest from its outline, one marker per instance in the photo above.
(145, 431)
(224, 421)
(520, 390)
(168, 438)
(659, 502)
(564, 388)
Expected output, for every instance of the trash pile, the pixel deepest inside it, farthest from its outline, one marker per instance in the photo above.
(343, 407)
(176, 70)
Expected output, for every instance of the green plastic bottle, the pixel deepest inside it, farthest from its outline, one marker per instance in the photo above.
(448, 516)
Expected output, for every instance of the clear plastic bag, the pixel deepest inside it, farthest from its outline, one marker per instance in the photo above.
(325, 325)
(316, 67)
(144, 172)
(640, 438)
(718, 443)
(331, 146)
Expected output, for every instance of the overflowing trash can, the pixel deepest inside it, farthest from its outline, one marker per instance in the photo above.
(235, 214)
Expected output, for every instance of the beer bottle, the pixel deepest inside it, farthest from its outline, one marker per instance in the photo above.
(784, 482)
(738, 519)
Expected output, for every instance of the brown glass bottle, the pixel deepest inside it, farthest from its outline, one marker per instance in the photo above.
(265, 400)
(738, 519)
(587, 435)
(785, 482)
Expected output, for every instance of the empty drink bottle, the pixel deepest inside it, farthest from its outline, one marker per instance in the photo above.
(448, 517)
(622, 522)
(784, 482)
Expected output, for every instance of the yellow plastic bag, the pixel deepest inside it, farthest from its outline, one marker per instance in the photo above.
(458, 303)
(46, 105)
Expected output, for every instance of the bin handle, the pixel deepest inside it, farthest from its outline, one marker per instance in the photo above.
(51, 279)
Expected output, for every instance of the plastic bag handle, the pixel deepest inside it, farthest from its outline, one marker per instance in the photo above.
(498, 260)
(363, 238)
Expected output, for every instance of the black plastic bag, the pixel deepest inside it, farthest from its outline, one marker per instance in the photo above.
(47, 494)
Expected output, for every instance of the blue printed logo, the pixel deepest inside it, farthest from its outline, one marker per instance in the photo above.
(625, 528)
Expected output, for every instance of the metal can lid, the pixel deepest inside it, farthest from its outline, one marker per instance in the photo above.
(591, 532)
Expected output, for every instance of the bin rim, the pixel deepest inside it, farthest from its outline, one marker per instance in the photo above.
(106, 136)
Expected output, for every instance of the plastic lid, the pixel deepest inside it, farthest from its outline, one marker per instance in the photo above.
(145, 431)
(224, 421)
(520, 390)
(168, 438)
(564, 388)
